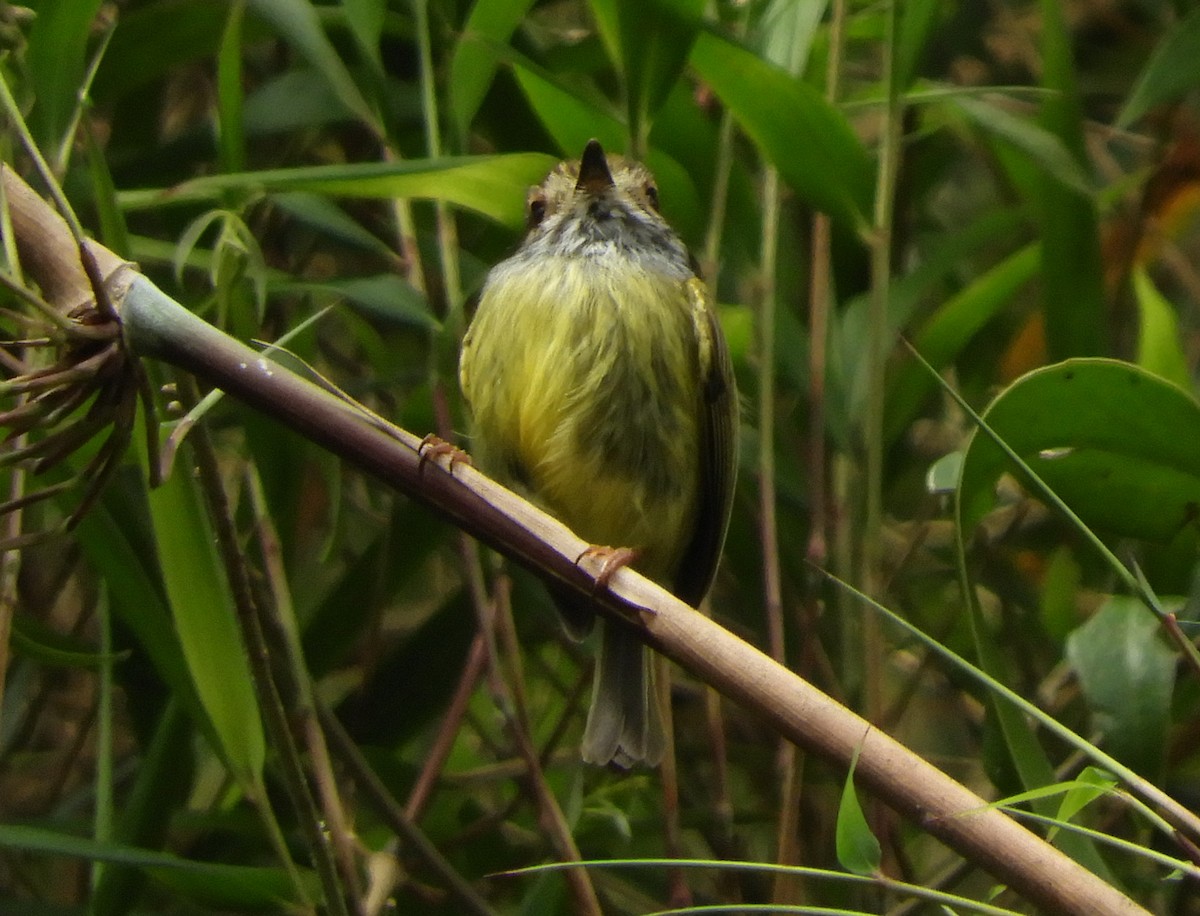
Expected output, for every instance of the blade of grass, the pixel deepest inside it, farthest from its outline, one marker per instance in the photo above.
(1180, 866)
(916, 891)
(366, 20)
(250, 886)
(1165, 813)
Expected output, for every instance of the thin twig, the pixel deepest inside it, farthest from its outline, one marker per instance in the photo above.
(673, 844)
(390, 811)
(550, 815)
(435, 758)
(278, 619)
(270, 703)
(879, 342)
(10, 567)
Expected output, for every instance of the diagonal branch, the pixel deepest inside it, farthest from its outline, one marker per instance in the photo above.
(156, 326)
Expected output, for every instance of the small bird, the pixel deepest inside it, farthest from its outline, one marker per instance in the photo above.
(601, 389)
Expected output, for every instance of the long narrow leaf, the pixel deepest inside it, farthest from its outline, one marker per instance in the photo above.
(230, 96)
(161, 782)
(490, 24)
(243, 885)
(949, 329)
(298, 23)
(365, 18)
(652, 39)
(1072, 270)
(797, 130)
(202, 608)
(1170, 73)
(492, 185)
(57, 56)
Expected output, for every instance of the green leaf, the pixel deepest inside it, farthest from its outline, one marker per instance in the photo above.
(113, 231)
(1121, 446)
(950, 328)
(942, 476)
(297, 22)
(1127, 672)
(118, 545)
(327, 217)
(1159, 345)
(238, 886)
(797, 130)
(154, 39)
(33, 638)
(569, 119)
(190, 238)
(652, 39)
(53, 842)
(202, 608)
(1011, 732)
(1058, 602)
(230, 122)
(1042, 147)
(492, 185)
(738, 323)
(214, 882)
(786, 30)
(1090, 784)
(858, 850)
(57, 56)
(299, 99)
(385, 296)
(473, 66)
(917, 18)
(1170, 72)
(162, 781)
(365, 18)
(1076, 794)
(1072, 268)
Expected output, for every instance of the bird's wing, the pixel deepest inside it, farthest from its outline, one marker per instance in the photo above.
(717, 448)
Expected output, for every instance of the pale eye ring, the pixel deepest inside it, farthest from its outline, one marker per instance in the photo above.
(652, 195)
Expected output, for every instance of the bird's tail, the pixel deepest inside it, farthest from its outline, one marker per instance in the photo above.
(623, 724)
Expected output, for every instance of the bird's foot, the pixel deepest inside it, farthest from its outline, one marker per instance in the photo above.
(433, 447)
(611, 559)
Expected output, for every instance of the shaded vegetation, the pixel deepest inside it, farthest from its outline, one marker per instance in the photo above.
(1009, 186)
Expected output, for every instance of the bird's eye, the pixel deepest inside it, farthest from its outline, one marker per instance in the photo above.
(652, 195)
(537, 210)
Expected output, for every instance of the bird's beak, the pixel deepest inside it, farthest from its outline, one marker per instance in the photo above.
(594, 176)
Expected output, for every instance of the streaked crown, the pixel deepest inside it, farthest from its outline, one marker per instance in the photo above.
(601, 205)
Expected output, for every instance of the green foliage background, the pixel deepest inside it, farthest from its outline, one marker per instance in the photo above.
(1006, 184)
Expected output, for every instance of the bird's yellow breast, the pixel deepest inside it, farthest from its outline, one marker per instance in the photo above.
(582, 377)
